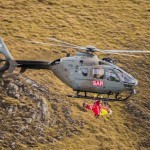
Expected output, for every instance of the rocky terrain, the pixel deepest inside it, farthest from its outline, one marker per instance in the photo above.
(30, 114)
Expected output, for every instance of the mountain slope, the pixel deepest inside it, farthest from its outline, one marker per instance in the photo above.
(105, 24)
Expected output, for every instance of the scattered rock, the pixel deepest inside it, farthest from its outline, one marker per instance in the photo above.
(13, 145)
(10, 111)
(28, 120)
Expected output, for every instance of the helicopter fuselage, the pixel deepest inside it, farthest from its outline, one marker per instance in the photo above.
(85, 72)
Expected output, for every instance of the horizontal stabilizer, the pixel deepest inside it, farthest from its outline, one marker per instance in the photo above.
(28, 64)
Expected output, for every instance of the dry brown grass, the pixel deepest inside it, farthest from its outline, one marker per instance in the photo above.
(107, 24)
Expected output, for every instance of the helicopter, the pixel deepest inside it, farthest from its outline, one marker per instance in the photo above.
(84, 72)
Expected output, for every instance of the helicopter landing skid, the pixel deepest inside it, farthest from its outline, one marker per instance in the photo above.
(117, 97)
(80, 96)
(120, 97)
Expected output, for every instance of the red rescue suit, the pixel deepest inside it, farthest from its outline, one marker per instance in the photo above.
(96, 108)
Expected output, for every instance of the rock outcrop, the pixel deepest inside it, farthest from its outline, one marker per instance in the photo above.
(31, 114)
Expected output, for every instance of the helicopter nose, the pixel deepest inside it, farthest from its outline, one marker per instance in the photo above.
(131, 83)
(136, 82)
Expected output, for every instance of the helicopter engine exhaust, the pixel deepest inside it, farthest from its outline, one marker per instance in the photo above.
(110, 60)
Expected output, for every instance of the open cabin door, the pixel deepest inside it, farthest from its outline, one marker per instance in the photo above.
(97, 79)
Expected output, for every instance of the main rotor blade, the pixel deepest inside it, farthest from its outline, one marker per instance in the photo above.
(57, 45)
(124, 54)
(67, 43)
(93, 49)
(87, 48)
(123, 51)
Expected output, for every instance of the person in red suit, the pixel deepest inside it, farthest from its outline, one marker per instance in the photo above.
(96, 107)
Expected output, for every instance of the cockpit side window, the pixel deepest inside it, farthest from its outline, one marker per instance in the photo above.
(98, 73)
(121, 75)
(84, 71)
(111, 76)
(124, 76)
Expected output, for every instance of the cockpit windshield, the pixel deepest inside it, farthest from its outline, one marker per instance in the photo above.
(125, 77)
(111, 76)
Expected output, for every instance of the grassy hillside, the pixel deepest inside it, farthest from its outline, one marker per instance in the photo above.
(106, 24)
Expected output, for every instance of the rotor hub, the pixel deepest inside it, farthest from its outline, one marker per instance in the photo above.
(90, 48)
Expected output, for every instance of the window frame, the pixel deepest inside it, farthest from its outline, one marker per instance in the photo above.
(116, 75)
(84, 74)
(98, 70)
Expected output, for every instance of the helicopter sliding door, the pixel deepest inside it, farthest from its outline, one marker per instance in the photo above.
(112, 82)
(82, 79)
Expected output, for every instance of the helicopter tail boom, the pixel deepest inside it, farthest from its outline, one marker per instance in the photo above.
(8, 63)
(28, 64)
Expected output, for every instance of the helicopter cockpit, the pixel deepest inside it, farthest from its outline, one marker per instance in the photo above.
(114, 74)
(111, 76)
(108, 74)
(119, 75)
(125, 77)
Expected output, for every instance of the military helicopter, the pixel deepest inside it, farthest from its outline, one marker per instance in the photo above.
(84, 72)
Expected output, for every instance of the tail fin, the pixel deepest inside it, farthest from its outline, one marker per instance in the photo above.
(4, 50)
(10, 64)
